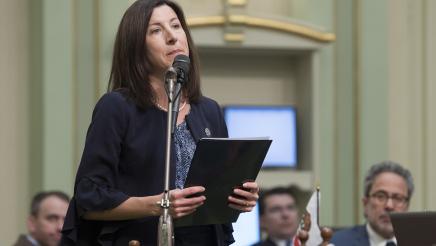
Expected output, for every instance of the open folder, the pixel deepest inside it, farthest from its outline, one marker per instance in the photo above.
(220, 165)
(414, 228)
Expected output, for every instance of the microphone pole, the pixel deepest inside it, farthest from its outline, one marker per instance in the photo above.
(166, 228)
(175, 107)
(175, 76)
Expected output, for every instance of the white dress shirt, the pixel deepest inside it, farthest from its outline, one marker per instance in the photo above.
(281, 242)
(32, 240)
(375, 239)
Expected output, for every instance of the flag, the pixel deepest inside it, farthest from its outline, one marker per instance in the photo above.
(296, 241)
(314, 232)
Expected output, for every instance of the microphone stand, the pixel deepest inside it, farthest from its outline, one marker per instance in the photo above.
(165, 227)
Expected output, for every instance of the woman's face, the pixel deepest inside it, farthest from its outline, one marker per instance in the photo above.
(165, 39)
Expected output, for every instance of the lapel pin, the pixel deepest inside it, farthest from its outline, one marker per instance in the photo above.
(207, 131)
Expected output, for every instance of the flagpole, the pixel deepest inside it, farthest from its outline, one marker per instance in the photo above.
(317, 205)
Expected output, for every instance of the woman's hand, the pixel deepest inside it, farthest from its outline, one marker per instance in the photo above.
(244, 199)
(184, 202)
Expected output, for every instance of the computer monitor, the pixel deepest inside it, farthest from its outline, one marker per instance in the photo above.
(277, 122)
(246, 230)
(414, 228)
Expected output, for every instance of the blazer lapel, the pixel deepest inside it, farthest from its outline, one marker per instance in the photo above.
(363, 238)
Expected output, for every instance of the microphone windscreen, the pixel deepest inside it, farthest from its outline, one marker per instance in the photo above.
(181, 64)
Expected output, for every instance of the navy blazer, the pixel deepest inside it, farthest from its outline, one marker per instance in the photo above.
(23, 241)
(354, 236)
(267, 242)
(124, 156)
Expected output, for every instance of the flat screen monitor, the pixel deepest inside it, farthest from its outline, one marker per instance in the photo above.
(277, 122)
(246, 230)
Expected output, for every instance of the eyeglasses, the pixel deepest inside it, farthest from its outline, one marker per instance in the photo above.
(383, 197)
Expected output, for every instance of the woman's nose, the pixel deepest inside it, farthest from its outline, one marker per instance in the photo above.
(171, 37)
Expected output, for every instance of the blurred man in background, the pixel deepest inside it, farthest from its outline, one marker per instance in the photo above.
(44, 224)
(388, 188)
(279, 217)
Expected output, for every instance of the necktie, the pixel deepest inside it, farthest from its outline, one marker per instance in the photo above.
(390, 243)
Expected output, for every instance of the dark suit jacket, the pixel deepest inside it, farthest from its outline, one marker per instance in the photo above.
(354, 236)
(22, 241)
(123, 156)
(267, 242)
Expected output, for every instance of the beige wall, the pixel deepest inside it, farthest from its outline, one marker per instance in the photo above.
(14, 82)
(412, 83)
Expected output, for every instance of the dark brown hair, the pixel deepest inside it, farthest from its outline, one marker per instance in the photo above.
(41, 196)
(289, 191)
(130, 66)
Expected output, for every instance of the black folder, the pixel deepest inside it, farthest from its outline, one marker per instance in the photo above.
(220, 165)
(414, 228)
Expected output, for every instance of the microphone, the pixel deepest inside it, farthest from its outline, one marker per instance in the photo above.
(175, 77)
(181, 64)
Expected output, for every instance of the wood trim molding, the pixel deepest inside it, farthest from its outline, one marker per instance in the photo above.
(246, 20)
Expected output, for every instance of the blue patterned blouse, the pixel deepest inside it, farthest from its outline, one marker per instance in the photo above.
(184, 145)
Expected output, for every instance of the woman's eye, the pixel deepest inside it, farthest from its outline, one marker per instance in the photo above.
(155, 30)
(176, 25)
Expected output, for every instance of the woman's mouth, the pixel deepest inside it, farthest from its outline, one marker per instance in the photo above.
(175, 52)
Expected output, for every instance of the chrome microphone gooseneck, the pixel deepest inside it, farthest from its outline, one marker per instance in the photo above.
(166, 228)
(175, 77)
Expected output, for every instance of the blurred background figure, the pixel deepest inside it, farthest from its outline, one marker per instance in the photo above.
(46, 218)
(388, 188)
(279, 217)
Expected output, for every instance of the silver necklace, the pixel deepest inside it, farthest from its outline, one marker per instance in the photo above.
(166, 110)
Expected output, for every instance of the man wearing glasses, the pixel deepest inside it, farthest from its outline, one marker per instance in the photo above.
(388, 188)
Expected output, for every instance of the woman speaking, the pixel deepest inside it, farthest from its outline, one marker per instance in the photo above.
(120, 181)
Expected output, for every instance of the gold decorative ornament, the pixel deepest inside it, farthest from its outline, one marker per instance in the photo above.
(246, 20)
(234, 37)
(237, 2)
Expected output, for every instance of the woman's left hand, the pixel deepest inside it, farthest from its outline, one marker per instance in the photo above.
(244, 198)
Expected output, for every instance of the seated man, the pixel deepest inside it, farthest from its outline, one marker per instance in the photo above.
(388, 188)
(278, 217)
(47, 214)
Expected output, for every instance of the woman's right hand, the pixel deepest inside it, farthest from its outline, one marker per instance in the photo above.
(182, 203)
(186, 201)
